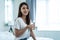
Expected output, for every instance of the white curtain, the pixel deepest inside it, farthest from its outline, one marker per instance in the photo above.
(8, 11)
(48, 15)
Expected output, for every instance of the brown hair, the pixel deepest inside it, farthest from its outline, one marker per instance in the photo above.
(20, 13)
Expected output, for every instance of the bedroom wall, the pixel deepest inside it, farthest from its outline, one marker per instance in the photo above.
(2, 12)
(2, 15)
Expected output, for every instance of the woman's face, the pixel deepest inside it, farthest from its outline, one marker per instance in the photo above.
(24, 10)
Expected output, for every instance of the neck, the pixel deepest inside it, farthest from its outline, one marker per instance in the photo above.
(24, 17)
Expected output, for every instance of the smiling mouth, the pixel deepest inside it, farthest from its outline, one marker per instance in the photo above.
(25, 12)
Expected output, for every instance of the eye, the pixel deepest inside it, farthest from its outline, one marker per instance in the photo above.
(27, 8)
(23, 7)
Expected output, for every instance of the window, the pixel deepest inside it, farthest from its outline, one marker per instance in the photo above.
(48, 15)
(8, 11)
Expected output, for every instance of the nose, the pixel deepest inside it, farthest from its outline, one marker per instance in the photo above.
(25, 9)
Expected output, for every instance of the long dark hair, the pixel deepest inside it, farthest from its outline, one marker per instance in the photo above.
(20, 13)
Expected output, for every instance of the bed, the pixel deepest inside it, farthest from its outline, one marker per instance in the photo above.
(9, 36)
(6, 36)
(41, 38)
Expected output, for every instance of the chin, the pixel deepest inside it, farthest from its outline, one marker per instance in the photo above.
(26, 14)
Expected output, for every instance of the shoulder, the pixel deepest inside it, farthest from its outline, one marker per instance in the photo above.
(18, 19)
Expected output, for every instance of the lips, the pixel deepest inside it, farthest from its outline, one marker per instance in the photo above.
(25, 12)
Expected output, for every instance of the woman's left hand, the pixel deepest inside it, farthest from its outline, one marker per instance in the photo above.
(33, 26)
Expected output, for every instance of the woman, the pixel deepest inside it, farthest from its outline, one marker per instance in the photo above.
(23, 25)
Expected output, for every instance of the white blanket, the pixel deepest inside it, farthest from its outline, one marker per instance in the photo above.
(6, 36)
(10, 36)
(41, 38)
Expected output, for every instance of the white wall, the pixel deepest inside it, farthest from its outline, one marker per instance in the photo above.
(2, 12)
(2, 15)
(16, 7)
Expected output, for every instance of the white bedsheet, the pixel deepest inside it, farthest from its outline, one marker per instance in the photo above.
(6, 36)
(9, 36)
(41, 38)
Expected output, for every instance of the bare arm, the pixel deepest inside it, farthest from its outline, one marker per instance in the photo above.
(20, 32)
(31, 31)
(32, 34)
